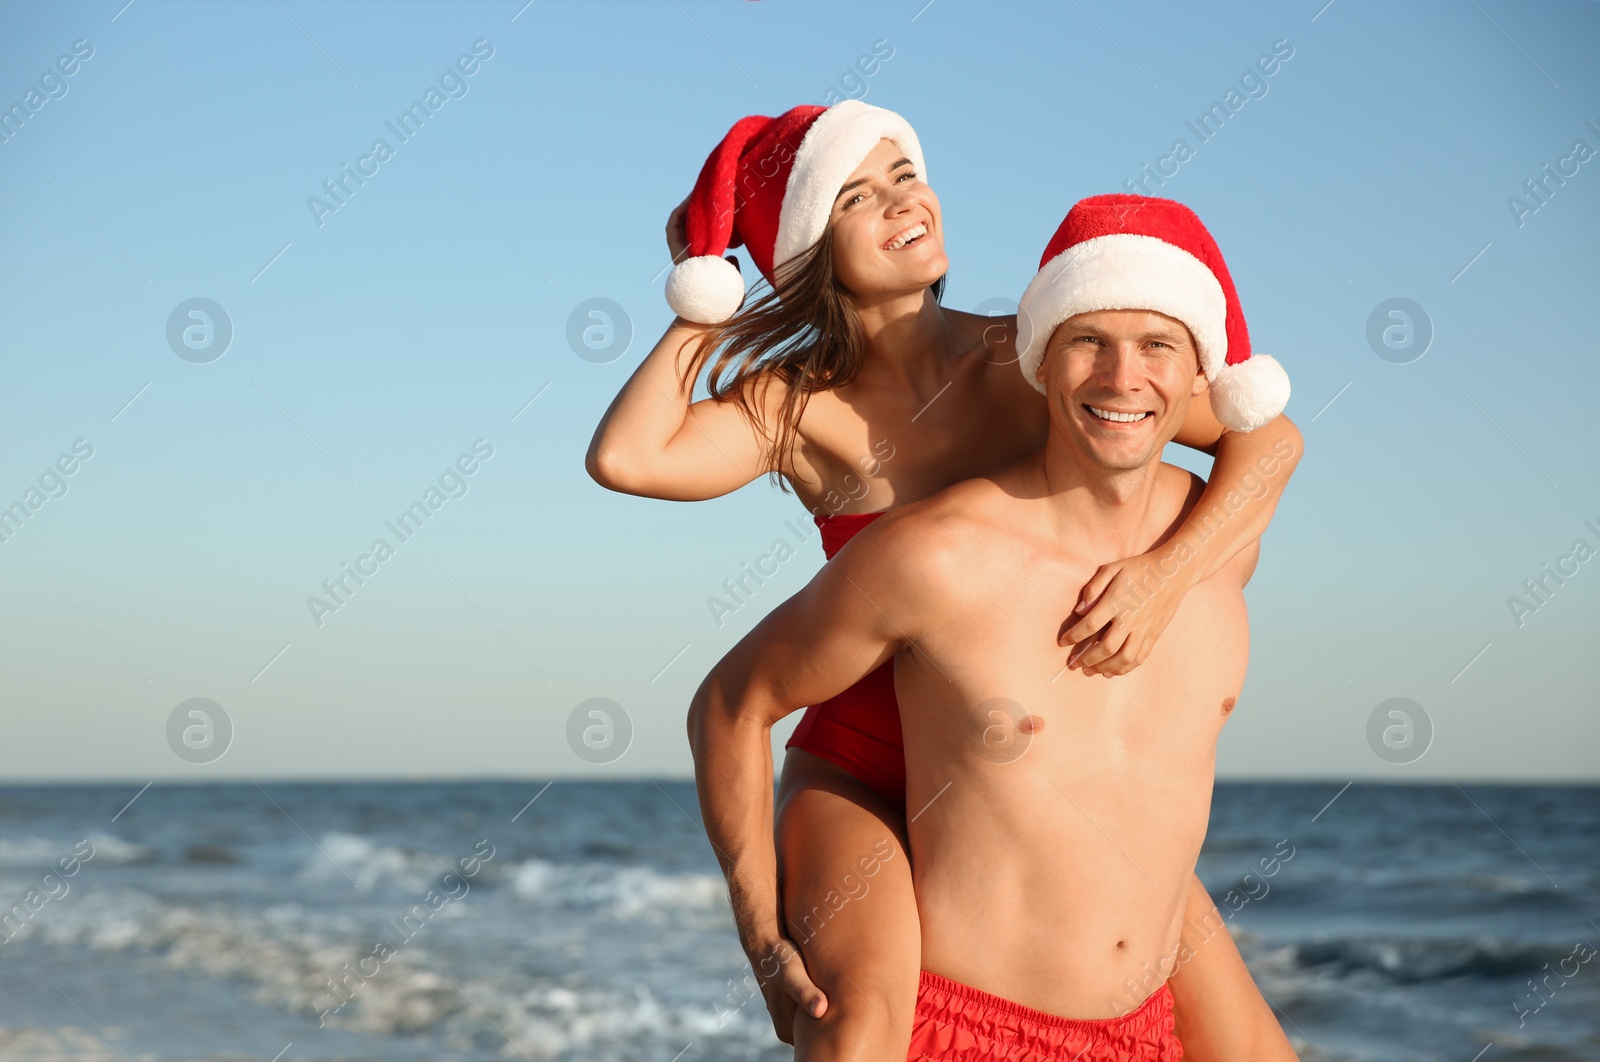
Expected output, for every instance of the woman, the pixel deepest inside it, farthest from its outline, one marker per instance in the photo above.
(862, 392)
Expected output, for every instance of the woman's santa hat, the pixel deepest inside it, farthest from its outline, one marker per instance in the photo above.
(770, 186)
(1132, 252)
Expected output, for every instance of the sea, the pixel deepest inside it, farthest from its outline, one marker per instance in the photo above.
(572, 920)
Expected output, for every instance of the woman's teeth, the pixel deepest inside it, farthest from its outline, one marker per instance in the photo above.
(914, 233)
(1120, 418)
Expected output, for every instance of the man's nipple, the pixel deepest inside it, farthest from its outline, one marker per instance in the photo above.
(1031, 724)
(1227, 705)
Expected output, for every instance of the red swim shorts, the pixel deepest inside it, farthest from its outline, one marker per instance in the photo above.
(957, 1023)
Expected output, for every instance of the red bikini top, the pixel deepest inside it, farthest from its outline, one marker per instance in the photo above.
(839, 528)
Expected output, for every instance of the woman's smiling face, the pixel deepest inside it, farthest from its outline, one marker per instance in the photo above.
(887, 235)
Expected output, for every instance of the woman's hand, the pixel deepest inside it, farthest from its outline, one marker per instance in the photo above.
(785, 985)
(1124, 609)
(1128, 603)
(677, 239)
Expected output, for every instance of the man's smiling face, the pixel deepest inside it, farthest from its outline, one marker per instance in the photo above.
(1119, 384)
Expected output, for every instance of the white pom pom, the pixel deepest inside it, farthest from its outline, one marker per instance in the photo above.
(1249, 394)
(706, 289)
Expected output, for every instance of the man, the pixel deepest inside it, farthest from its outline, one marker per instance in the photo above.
(1057, 819)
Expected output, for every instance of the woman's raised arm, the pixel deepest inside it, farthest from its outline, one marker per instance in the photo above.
(655, 441)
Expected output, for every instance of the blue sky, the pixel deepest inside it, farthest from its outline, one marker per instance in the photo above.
(374, 345)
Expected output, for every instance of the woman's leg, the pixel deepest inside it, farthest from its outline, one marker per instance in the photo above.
(850, 908)
(1220, 1013)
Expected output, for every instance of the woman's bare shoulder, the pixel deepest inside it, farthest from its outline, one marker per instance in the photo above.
(992, 343)
(997, 332)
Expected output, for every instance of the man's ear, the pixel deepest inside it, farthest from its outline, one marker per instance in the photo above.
(1200, 382)
(1050, 345)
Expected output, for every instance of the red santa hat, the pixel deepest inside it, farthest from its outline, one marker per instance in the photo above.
(770, 186)
(1132, 252)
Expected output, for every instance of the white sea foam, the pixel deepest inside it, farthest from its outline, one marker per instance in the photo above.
(287, 952)
(43, 853)
(369, 864)
(30, 852)
(64, 1044)
(627, 891)
(287, 955)
(546, 1024)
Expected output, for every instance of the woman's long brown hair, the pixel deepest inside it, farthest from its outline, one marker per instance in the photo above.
(803, 329)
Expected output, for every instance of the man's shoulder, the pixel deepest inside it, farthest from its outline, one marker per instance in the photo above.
(954, 515)
(1184, 485)
(937, 541)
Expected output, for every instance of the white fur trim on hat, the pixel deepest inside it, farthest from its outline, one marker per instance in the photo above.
(706, 289)
(837, 142)
(1249, 394)
(1123, 271)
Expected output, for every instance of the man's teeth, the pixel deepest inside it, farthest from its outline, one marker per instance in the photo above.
(914, 232)
(1120, 418)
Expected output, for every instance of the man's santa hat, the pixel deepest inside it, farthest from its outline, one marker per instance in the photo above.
(770, 186)
(1132, 252)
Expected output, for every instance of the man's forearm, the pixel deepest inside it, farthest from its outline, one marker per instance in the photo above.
(733, 777)
(811, 647)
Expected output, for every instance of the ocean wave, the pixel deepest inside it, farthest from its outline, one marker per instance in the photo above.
(44, 853)
(1408, 961)
(626, 891)
(32, 852)
(67, 1043)
(1500, 883)
(276, 949)
(112, 849)
(369, 864)
(622, 890)
(287, 957)
(555, 1022)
